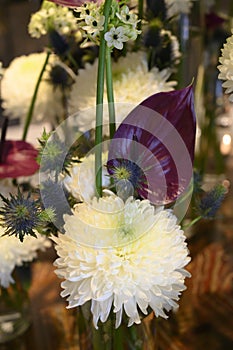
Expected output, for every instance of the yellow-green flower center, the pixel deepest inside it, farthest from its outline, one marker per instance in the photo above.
(122, 173)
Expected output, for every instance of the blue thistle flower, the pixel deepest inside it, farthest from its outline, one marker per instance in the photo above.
(59, 43)
(60, 76)
(20, 215)
(125, 169)
(211, 202)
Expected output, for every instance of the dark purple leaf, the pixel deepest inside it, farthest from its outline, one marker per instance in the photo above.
(158, 136)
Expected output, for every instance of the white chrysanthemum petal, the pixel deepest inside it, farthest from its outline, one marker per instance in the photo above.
(147, 270)
(81, 179)
(23, 72)
(226, 66)
(132, 84)
(14, 253)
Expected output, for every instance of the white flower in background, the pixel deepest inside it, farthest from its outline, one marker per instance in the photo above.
(14, 253)
(17, 88)
(52, 16)
(226, 66)
(81, 179)
(132, 84)
(175, 45)
(139, 266)
(175, 7)
(208, 4)
(116, 37)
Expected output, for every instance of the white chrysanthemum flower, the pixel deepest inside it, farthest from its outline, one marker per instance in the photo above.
(175, 7)
(18, 85)
(226, 66)
(127, 257)
(14, 253)
(132, 84)
(81, 179)
(115, 37)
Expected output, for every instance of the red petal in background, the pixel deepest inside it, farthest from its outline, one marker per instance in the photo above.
(18, 159)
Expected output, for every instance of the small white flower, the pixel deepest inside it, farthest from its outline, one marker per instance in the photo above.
(128, 256)
(115, 37)
(94, 25)
(226, 66)
(14, 253)
(88, 9)
(128, 17)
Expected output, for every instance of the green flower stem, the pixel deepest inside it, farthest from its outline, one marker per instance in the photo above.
(139, 25)
(99, 101)
(110, 95)
(33, 101)
(72, 60)
(140, 13)
(198, 218)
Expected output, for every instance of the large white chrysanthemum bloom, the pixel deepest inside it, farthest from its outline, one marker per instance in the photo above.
(14, 253)
(132, 84)
(18, 85)
(226, 66)
(175, 7)
(122, 256)
(81, 179)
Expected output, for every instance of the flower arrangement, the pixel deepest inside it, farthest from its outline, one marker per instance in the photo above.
(116, 171)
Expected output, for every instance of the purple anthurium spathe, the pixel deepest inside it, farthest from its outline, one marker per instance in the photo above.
(74, 3)
(18, 158)
(157, 137)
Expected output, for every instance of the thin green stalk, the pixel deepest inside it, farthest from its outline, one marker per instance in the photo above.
(110, 94)
(99, 101)
(72, 60)
(33, 101)
(194, 221)
(139, 25)
(140, 13)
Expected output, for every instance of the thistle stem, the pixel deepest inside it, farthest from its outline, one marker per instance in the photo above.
(99, 101)
(194, 221)
(110, 94)
(33, 100)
